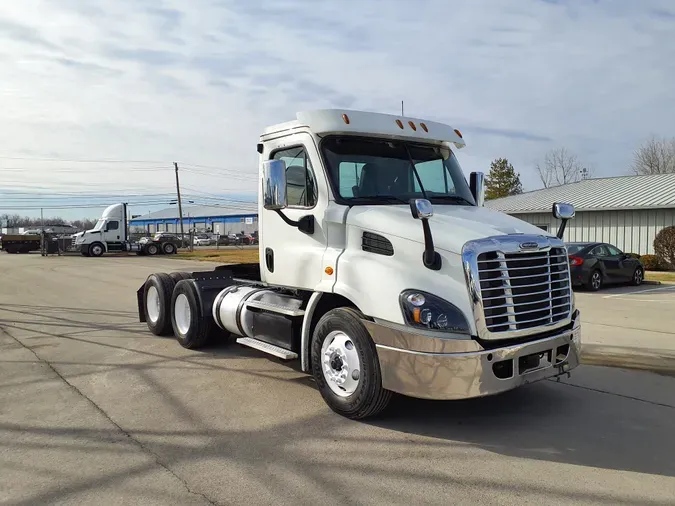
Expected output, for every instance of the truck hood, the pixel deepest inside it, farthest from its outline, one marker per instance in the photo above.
(451, 226)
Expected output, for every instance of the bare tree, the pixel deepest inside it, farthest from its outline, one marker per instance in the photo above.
(561, 167)
(656, 156)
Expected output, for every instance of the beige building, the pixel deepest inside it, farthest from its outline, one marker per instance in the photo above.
(626, 211)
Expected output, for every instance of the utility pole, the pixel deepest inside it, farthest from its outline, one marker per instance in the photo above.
(402, 108)
(180, 207)
(42, 233)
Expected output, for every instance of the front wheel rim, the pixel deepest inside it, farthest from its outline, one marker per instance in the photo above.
(182, 313)
(340, 364)
(152, 304)
(96, 250)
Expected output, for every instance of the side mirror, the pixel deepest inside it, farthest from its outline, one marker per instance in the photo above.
(421, 208)
(562, 211)
(477, 185)
(274, 185)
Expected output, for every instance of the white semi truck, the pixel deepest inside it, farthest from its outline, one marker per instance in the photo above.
(111, 234)
(381, 271)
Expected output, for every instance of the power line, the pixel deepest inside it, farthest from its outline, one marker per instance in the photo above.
(80, 160)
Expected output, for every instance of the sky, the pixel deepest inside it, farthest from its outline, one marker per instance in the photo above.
(98, 98)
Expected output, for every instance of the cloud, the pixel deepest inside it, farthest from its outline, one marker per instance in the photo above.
(198, 81)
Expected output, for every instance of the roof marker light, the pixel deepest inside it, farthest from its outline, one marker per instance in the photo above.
(459, 133)
(345, 118)
(399, 123)
(412, 125)
(424, 127)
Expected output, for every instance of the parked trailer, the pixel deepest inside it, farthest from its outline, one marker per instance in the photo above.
(111, 234)
(381, 271)
(20, 243)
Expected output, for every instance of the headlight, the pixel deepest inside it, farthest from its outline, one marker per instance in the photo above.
(426, 311)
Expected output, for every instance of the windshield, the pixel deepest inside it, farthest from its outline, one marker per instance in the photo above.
(366, 171)
(99, 225)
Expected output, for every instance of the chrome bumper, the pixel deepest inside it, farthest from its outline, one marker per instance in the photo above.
(419, 365)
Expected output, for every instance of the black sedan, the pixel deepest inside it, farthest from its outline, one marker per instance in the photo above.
(594, 264)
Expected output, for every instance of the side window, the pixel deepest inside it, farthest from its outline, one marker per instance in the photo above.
(300, 181)
(434, 177)
(600, 251)
(349, 175)
(614, 251)
(113, 225)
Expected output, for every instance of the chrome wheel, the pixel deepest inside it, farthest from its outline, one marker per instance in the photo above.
(340, 363)
(596, 280)
(182, 313)
(152, 304)
(96, 250)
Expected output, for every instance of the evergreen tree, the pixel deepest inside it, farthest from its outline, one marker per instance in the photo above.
(502, 181)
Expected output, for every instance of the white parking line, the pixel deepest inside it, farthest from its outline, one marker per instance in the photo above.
(648, 300)
(639, 292)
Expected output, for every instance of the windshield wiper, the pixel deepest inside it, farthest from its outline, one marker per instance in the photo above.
(388, 198)
(452, 198)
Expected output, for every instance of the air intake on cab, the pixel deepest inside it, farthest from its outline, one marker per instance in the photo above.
(374, 243)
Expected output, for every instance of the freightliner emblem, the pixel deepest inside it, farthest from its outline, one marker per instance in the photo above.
(529, 245)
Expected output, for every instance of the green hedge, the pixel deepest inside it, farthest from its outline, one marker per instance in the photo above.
(652, 263)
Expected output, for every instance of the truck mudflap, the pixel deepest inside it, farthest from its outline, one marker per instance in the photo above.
(141, 303)
(469, 373)
(209, 284)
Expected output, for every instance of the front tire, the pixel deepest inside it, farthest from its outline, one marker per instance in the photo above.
(157, 303)
(638, 276)
(96, 249)
(191, 330)
(594, 281)
(345, 365)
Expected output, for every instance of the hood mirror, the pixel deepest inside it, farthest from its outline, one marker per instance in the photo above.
(421, 209)
(564, 212)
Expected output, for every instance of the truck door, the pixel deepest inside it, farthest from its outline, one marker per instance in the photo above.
(288, 256)
(112, 235)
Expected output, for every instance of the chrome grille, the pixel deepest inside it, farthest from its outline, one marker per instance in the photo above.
(524, 290)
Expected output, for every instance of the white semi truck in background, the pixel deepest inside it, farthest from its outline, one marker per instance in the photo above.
(111, 234)
(381, 271)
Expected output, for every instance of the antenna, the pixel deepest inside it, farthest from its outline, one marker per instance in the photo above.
(402, 108)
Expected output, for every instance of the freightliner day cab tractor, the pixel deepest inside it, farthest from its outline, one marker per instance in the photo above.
(381, 271)
(111, 234)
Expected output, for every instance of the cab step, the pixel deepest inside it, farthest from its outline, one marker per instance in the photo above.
(275, 308)
(271, 349)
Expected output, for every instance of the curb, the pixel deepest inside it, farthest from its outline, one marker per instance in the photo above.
(647, 282)
(654, 360)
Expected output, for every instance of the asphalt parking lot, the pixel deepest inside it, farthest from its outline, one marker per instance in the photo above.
(628, 320)
(95, 409)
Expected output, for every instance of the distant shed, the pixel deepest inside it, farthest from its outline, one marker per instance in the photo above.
(215, 219)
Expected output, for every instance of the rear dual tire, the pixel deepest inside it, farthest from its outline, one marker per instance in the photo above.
(190, 329)
(157, 296)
